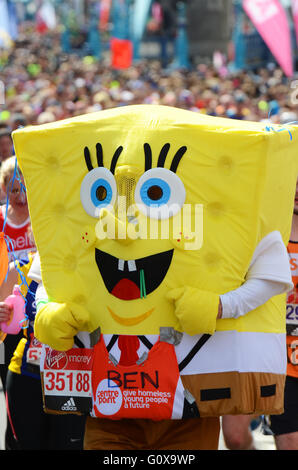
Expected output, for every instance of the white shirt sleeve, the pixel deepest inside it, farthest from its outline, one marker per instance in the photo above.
(35, 271)
(41, 297)
(268, 275)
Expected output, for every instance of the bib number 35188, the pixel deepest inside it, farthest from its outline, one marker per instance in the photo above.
(67, 380)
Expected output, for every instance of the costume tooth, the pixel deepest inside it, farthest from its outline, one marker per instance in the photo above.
(131, 265)
(121, 264)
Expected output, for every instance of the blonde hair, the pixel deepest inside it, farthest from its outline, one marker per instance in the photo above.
(7, 170)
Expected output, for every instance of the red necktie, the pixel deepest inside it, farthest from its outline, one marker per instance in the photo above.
(128, 346)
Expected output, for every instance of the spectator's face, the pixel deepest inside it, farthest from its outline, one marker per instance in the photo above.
(16, 193)
(6, 149)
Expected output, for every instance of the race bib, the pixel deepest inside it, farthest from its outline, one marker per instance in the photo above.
(34, 351)
(66, 380)
(292, 355)
(292, 314)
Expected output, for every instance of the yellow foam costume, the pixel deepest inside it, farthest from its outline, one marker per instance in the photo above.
(230, 182)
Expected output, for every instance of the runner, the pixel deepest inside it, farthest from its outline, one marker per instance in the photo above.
(115, 288)
(14, 216)
(23, 385)
(237, 430)
(285, 426)
(130, 356)
(14, 222)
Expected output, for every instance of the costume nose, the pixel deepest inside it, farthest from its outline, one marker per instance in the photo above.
(113, 227)
(126, 177)
(120, 225)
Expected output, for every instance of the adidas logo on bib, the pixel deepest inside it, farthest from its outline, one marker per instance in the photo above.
(69, 405)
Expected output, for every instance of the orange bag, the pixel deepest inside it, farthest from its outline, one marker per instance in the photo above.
(3, 258)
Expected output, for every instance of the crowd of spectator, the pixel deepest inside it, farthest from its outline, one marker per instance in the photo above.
(43, 84)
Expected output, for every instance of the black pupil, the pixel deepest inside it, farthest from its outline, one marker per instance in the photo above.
(101, 193)
(155, 193)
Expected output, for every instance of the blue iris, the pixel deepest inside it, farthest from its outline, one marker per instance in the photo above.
(101, 193)
(155, 192)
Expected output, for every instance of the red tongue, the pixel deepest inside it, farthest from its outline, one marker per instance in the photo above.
(126, 290)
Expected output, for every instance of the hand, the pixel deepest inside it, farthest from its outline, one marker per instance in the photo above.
(197, 310)
(56, 324)
(6, 311)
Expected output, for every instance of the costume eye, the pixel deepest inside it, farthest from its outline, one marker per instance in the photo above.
(98, 190)
(160, 193)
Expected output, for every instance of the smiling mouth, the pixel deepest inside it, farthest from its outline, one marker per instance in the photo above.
(130, 321)
(133, 279)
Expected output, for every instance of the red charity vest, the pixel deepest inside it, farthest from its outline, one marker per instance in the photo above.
(144, 390)
(19, 237)
(292, 313)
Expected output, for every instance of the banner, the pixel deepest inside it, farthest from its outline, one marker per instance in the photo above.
(5, 33)
(140, 16)
(46, 17)
(104, 14)
(120, 19)
(270, 20)
(121, 53)
(94, 39)
(13, 19)
(295, 17)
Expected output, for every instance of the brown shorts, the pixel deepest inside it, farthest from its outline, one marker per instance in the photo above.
(144, 434)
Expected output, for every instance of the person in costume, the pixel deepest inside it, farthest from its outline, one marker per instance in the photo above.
(127, 351)
(158, 335)
(33, 429)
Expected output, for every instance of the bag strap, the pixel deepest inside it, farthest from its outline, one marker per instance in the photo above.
(112, 342)
(78, 342)
(145, 341)
(200, 343)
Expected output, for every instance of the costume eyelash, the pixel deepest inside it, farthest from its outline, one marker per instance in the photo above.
(177, 157)
(162, 157)
(88, 159)
(115, 159)
(148, 157)
(99, 157)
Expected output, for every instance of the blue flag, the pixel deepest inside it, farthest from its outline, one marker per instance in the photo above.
(140, 17)
(8, 23)
(5, 38)
(140, 14)
(13, 21)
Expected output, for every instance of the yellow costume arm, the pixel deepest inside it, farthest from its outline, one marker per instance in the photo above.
(56, 324)
(196, 310)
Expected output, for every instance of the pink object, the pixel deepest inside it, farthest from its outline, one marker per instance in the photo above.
(270, 19)
(16, 301)
(295, 17)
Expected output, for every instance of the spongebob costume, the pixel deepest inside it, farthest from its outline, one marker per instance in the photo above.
(143, 216)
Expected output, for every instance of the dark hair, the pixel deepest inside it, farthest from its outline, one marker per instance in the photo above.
(20, 118)
(5, 132)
